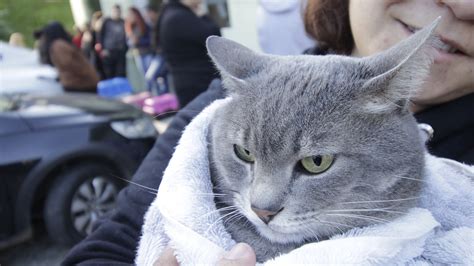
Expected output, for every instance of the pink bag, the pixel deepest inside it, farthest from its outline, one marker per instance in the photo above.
(157, 105)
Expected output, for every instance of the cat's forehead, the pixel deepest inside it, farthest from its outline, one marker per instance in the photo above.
(305, 83)
(283, 120)
(312, 74)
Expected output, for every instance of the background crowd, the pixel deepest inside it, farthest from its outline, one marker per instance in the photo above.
(166, 41)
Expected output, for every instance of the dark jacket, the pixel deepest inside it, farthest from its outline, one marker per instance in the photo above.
(112, 35)
(453, 125)
(182, 38)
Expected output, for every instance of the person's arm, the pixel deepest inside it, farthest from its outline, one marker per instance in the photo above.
(114, 239)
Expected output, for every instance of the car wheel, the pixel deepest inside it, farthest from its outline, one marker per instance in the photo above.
(78, 198)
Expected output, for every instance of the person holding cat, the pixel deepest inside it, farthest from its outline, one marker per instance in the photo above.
(448, 92)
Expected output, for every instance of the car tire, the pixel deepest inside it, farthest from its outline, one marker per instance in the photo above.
(78, 197)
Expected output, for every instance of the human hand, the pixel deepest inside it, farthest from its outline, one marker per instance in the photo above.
(240, 254)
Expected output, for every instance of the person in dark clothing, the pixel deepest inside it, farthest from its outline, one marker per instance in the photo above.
(453, 124)
(113, 44)
(89, 42)
(153, 15)
(115, 239)
(157, 74)
(182, 38)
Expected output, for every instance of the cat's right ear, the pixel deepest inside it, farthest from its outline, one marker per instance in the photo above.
(235, 62)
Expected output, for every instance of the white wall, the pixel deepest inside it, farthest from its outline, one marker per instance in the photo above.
(243, 25)
(79, 12)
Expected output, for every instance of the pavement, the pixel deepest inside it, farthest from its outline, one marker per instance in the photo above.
(38, 251)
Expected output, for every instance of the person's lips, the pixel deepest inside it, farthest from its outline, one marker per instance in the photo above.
(446, 50)
(451, 46)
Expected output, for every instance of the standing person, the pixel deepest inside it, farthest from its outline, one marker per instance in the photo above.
(57, 49)
(152, 15)
(96, 23)
(183, 29)
(286, 16)
(157, 74)
(113, 44)
(139, 36)
(17, 39)
(114, 240)
(87, 43)
(77, 38)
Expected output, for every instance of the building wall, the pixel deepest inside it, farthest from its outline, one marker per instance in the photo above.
(243, 23)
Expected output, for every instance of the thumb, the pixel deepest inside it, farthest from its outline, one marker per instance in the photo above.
(240, 254)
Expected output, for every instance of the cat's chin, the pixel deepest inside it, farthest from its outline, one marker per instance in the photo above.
(283, 234)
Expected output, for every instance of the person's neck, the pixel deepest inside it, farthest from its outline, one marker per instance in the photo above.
(355, 52)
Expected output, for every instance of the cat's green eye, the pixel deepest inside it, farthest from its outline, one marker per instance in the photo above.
(243, 154)
(317, 164)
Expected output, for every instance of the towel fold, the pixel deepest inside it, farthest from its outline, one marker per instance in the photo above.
(184, 216)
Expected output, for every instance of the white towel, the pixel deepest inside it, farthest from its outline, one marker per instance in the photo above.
(184, 216)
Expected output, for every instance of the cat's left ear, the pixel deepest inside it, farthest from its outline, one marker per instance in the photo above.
(235, 62)
(400, 71)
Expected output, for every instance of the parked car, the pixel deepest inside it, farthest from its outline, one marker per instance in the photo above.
(21, 72)
(63, 159)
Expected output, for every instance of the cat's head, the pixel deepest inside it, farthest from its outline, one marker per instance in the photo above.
(313, 145)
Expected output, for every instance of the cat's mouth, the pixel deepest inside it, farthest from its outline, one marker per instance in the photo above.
(447, 46)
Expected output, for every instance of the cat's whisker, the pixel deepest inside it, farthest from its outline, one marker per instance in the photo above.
(147, 191)
(163, 114)
(235, 217)
(176, 111)
(334, 224)
(216, 211)
(310, 231)
(219, 219)
(359, 216)
(367, 210)
(380, 201)
(137, 184)
(211, 195)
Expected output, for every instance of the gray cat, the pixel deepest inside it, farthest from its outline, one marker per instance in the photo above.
(312, 146)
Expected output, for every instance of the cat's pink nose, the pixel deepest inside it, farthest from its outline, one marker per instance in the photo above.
(265, 215)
